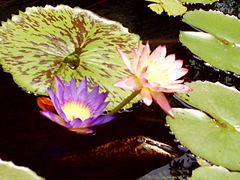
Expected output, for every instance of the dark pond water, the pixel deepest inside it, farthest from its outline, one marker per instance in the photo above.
(28, 139)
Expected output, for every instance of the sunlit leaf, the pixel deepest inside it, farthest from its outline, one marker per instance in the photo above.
(172, 7)
(200, 1)
(213, 136)
(221, 47)
(156, 8)
(44, 42)
(213, 173)
(9, 171)
(223, 26)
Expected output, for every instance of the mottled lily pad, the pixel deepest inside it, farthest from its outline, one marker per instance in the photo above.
(213, 173)
(219, 45)
(9, 171)
(44, 42)
(213, 135)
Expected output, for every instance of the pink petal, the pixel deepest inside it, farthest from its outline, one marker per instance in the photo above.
(177, 64)
(177, 73)
(129, 82)
(140, 47)
(143, 59)
(175, 88)
(146, 96)
(170, 58)
(124, 58)
(163, 102)
(135, 56)
(159, 53)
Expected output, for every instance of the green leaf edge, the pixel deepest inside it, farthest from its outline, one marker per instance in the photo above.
(28, 172)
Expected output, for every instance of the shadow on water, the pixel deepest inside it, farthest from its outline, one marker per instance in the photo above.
(28, 139)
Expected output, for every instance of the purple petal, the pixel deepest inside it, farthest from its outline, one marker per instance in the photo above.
(54, 117)
(76, 123)
(59, 89)
(73, 89)
(82, 88)
(56, 104)
(99, 110)
(82, 130)
(87, 122)
(95, 102)
(92, 96)
(67, 94)
(101, 120)
(94, 93)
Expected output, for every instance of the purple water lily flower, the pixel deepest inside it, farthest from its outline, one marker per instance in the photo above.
(77, 109)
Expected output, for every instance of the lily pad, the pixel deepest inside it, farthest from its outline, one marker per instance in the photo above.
(9, 171)
(221, 45)
(44, 42)
(213, 173)
(172, 7)
(213, 135)
(200, 1)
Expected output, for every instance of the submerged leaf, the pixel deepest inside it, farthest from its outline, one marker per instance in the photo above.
(44, 42)
(10, 171)
(136, 148)
(214, 172)
(221, 47)
(215, 136)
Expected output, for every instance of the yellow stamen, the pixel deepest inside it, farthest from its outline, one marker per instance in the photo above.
(76, 110)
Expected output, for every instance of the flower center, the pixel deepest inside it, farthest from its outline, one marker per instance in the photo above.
(158, 76)
(74, 110)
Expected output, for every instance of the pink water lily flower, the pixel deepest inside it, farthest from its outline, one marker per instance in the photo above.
(153, 74)
(76, 109)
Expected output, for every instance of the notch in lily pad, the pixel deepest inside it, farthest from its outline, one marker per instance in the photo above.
(212, 133)
(44, 42)
(219, 44)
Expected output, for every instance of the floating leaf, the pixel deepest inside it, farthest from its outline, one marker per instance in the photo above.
(9, 171)
(200, 1)
(172, 7)
(221, 47)
(213, 173)
(156, 8)
(215, 136)
(44, 42)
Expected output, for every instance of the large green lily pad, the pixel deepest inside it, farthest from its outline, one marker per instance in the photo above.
(213, 173)
(9, 171)
(213, 135)
(44, 42)
(219, 45)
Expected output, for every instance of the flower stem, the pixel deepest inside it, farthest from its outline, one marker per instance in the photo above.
(123, 103)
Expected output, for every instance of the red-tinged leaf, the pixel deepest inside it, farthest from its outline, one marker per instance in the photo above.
(45, 103)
